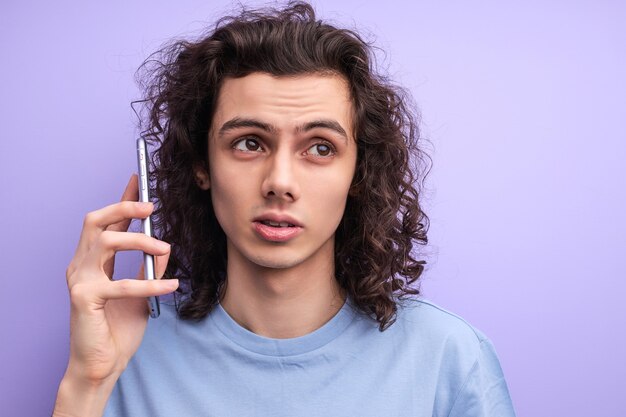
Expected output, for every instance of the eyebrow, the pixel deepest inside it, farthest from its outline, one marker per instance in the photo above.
(238, 122)
(324, 124)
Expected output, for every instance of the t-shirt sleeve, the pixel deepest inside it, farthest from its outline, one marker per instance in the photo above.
(484, 392)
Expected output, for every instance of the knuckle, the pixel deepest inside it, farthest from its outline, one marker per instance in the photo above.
(107, 239)
(90, 219)
(79, 294)
(124, 286)
(69, 271)
(129, 208)
(74, 270)
(145, 243)
(126, 206)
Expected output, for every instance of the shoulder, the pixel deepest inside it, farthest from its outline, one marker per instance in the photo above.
(439, 336)
(428, 335)
(470, 377)
(427, 318)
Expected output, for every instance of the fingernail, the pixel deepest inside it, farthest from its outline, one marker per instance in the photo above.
(172, 283)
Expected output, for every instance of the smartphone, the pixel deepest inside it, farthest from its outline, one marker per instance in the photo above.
(146, 224)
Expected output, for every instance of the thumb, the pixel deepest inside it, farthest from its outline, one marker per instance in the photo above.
(141, 272)
(161, 264)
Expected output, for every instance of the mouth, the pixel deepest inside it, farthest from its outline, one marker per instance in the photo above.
(276, 224)
(273, 228)
(277, 220)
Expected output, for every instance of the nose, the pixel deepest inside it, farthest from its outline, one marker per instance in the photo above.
(280, 181)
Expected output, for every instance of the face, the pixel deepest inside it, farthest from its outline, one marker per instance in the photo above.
(282, 156)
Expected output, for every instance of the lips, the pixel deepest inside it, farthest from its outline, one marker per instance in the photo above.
(277, 227)
(276, 224)
(277, 220)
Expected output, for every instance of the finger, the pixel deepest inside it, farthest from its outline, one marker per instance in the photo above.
(131, 193)
(126, 288)
(108, 243)
(91, 218)
(141, 273)
(97, 221)
(160, 262)
(116, 213)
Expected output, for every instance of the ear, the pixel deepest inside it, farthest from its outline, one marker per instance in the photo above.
(202, 177)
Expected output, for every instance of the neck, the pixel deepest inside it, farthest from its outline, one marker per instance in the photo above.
(282, 303)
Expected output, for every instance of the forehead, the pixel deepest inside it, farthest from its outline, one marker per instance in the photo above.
(285, 101)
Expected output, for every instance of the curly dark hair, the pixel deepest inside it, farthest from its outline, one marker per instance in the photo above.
(374, 243)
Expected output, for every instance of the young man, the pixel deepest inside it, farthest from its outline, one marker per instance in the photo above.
(285, 186)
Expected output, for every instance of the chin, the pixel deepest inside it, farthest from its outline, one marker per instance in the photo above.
(275, 262)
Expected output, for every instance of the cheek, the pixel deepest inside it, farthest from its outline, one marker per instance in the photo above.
(226, 196)
(329, 195)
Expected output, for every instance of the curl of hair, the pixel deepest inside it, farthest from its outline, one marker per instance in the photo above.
(383, 220)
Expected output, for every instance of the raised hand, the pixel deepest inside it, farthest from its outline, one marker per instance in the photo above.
(108, 318)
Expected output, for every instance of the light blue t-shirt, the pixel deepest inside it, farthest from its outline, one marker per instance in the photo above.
(428, 363)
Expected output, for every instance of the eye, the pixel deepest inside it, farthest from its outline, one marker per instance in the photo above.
(322, 149)
(247, 145)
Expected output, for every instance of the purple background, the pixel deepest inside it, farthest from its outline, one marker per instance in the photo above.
(524, 105)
